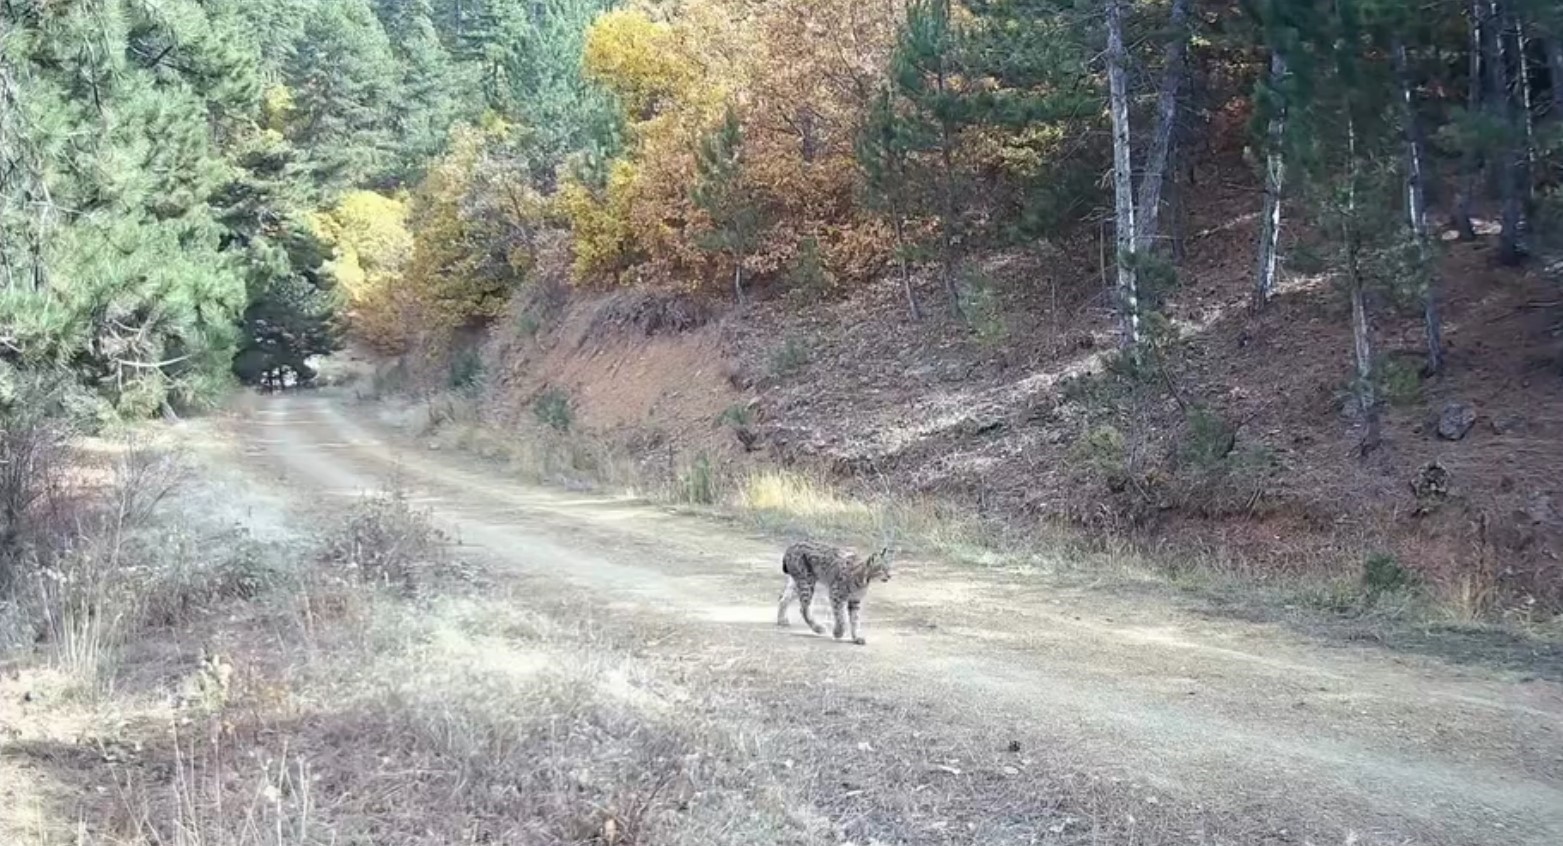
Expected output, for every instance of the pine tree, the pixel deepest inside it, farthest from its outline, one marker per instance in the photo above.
(433, 85)
(884, 151)
(114, 261)
(560, 112)
(1416, 201)
(924, 68)
(346, 86)
(736, 212)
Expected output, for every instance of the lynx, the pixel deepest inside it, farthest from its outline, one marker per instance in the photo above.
(807, 564)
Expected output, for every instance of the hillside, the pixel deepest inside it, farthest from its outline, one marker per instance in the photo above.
(846, 387)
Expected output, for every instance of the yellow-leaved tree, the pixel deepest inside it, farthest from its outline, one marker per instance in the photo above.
(799, 74)
(474, 220)
(371, 247)
(674, 77)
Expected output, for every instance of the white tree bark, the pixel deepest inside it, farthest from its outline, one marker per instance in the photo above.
(1416, 209)
(1527, 106)
(947, 184)
(1275, 175)
(1149, 204)
(1362, 344)
(1472, 165)
(1123, 174)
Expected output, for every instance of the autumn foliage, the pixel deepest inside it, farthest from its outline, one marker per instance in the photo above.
(797, 73)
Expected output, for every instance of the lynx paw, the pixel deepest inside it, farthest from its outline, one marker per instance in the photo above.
(819, 629)
(859, 641)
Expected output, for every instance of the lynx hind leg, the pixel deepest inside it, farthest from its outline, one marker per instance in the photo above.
(805, 600)
(788, 594)
(853, 607)
(838, 610)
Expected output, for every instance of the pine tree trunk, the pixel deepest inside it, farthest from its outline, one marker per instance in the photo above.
(1149, 204)
(1275, 175)
(1555, 62)
(738, 278)
(906, 272)
(1123, 175)
(1498, 52)
(947, 186)
(1416, 209)
(1176, 204)
(1362, 344)
(1527, 110)
(1472, 162)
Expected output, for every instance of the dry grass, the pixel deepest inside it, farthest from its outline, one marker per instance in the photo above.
(328, 707)
(793, 495)
(320, 706)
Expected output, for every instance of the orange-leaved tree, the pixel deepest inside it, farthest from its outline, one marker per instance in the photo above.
(799, 74)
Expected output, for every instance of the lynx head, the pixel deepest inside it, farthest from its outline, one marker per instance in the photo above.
(877, 567)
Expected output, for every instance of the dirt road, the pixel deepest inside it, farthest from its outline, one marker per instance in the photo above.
(1236, 723)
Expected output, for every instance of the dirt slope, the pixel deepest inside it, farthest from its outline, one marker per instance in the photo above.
(1251, 734)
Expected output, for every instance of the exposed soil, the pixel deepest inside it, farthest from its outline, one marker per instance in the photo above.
(851, 387)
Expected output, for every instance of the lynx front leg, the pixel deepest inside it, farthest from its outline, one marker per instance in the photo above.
(805, 600)
(838, 609)
(788, 594)
(852, 618)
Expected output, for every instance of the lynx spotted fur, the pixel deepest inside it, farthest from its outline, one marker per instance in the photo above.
(845, 576)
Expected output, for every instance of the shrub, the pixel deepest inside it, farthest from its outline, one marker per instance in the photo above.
(1215, 476)
(983, 311)
(552, 409)
(1400, 381)
(699, 482)
(386, 541)
(528, 325)
(1207, 440)
(1381, 574)
(33, 443)
(807, 276)
(789, 358)
(737, 416)
(100, 567)
(1103, 450)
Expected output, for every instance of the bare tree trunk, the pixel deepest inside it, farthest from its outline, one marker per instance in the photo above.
(1362, 344)
(947, 186)
(1176, 202)
(1527, 106)
(1123, 175)
(738, 278)
(1275, 175)
(1472, 164)
(1416, 208)
(1499, 51)
(1555, 62)
(1149, 204)
(906, 272)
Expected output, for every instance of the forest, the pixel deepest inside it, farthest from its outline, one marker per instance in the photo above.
(199, 188)
(193, 188)
(194, 193)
